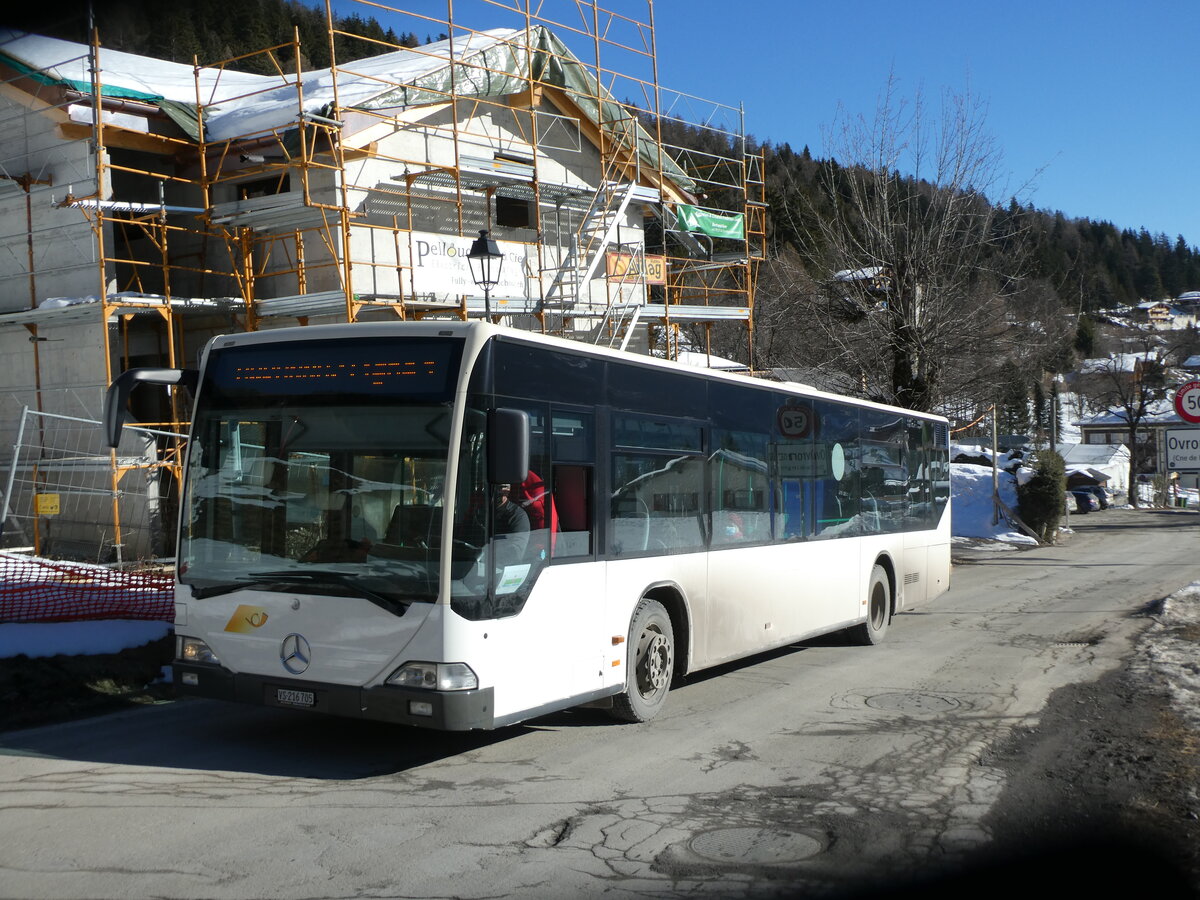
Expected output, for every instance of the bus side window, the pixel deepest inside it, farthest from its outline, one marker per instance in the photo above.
(740, 488)
(572, 449)
(573, 502)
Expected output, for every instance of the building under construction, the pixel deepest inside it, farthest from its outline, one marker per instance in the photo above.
(150, 205)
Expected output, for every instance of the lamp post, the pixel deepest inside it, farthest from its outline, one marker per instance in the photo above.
(485, 260)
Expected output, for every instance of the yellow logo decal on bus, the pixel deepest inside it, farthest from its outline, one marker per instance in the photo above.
(246, 618)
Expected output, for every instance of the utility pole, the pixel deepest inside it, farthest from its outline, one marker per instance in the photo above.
(995, 473)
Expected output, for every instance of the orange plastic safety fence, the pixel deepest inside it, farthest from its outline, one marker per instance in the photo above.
(41, 590)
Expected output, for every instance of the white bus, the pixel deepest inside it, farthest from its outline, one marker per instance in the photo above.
(460, 526)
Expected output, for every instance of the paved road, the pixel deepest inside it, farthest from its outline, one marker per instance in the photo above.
(805, 769)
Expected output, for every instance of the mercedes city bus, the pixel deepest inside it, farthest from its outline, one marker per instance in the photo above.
(460, 526)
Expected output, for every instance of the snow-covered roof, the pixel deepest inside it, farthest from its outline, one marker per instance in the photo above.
(238, 103)
(1158, 412)
(1093, 454)
(1088, 471)
(235, 104)
(1116, 362)
(124, 75)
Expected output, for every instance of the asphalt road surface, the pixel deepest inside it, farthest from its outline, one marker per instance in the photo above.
(824, 768)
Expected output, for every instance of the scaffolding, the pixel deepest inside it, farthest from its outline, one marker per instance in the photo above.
(487, 129)
(328, 196)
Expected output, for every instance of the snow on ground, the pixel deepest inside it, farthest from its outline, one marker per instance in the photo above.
(1170, 656)
(971, 505)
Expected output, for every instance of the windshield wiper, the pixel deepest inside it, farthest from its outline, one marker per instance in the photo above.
(342, 580)
(213, 590)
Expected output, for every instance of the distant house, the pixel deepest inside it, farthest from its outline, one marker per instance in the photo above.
(1162, 315)
(1156, 313)
(1117, 362)
(1111, 460)
(1183, 316)
(1189, 300)
(1111, 428)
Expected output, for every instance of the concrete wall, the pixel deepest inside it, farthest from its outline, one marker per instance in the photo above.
(64, 255)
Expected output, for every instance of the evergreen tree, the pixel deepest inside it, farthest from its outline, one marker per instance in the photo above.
(1085, 337)
(1040, 500)
(1012, 403)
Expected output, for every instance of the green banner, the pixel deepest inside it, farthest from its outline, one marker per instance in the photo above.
(713, 224)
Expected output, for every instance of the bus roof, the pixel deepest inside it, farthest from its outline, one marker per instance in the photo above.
(483, 331)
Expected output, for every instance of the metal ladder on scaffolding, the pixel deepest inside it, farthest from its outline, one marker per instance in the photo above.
(618, 324)
(597, 232)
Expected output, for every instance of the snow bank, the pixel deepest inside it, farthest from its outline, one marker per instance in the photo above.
(1171, 655)
(971, 504)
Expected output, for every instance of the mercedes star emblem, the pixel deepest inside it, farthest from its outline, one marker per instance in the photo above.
(295, 654)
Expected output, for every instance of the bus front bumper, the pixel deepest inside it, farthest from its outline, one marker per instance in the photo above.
(443, 710)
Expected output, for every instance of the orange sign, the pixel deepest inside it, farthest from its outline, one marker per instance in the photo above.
(626, 266)
(245, 619)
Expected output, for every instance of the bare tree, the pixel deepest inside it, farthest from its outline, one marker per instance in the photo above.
(1128, 387)
(916, 267)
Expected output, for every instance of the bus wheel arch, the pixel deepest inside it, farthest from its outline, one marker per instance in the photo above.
(881, 604)
(652, 657)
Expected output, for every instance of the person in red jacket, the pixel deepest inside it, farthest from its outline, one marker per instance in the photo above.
(531, 496)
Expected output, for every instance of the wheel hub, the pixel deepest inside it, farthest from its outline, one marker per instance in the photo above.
(656, 662)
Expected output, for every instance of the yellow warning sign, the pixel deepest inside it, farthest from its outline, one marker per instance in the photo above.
(46, 504)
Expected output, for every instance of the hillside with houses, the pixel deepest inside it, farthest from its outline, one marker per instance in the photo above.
(1115, 404)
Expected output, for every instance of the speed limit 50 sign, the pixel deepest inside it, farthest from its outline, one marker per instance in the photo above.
(1187, 402)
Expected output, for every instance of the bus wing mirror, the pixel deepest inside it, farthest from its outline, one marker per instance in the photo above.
(117, 396)
(508, 446)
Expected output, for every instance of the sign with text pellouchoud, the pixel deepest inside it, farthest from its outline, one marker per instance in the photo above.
(439, 267)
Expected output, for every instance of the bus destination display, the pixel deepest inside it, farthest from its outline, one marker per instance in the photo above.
(389, 368)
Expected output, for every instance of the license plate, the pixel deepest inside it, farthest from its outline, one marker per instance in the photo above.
(295, 698)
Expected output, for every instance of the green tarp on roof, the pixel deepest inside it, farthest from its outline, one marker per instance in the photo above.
(184, 115)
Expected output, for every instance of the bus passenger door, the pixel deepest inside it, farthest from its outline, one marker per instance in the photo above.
(562, 622)
(579, 578)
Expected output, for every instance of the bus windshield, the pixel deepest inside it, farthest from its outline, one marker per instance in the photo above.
(345, 499)
(295, 486)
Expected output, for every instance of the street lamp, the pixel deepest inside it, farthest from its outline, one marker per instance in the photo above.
(485, 259)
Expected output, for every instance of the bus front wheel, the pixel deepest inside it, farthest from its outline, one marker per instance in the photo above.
(650, 664)
(879, 610)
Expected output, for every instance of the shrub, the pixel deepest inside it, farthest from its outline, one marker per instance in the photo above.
(1040, 500)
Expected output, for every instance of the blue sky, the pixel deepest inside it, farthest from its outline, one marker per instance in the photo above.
(1092, 101)
(1098, 97)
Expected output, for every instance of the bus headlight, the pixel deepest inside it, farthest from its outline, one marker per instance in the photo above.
(194, 650)
(435, 676)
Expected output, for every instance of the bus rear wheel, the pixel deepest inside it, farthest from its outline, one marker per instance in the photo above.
(650, 664)
(879, 610)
